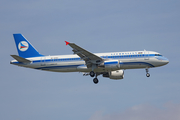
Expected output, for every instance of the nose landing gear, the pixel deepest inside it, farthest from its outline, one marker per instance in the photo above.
(147, 72)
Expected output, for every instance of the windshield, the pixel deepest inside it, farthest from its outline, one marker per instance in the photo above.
(158, 55)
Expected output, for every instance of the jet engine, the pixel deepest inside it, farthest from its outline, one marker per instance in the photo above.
(118, 74)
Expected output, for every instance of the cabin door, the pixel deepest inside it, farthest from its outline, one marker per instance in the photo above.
(146, 55)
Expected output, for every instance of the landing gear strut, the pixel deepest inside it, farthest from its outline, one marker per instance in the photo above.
(147, 74)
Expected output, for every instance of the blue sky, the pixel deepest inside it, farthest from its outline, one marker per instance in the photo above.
(98, 26)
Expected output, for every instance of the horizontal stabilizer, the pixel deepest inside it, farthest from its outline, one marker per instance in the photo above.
(20, 59)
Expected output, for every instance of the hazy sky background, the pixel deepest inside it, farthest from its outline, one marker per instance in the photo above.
(98, 26)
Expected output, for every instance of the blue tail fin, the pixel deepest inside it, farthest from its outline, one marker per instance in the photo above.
(24, 47)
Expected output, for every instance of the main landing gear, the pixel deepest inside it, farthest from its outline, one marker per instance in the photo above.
(92, 74)
(147, 74)
(95, 80)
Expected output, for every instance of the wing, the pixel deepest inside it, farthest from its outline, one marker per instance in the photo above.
(87, 56)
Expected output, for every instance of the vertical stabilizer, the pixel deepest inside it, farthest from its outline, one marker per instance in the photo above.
(24, 47)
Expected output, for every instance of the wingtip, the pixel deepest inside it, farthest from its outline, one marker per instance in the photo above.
(67, 42)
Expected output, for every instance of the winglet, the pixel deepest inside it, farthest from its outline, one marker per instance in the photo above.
(67, 42)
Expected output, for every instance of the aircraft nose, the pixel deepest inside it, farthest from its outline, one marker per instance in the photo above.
(165, 61)
(162, 60)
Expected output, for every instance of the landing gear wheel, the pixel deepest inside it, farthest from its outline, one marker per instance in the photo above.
(148, 75)
(92, 74)
(147, 72)
(95, 80)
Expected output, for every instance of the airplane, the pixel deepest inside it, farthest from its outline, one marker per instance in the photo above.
(110, 65)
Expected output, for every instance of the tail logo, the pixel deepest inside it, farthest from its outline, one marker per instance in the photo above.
(23, 46)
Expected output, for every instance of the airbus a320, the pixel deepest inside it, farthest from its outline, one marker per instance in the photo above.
(110, 65)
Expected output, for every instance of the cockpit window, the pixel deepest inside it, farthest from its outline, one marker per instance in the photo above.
(158, 55)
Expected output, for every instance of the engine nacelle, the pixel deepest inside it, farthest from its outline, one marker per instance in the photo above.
(118, 74)
(111, 65)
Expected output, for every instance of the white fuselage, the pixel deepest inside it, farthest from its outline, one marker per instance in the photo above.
(73, 63)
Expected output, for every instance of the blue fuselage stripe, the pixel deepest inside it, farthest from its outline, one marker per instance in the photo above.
(110, 63)
(137, 63)
(57, 67)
